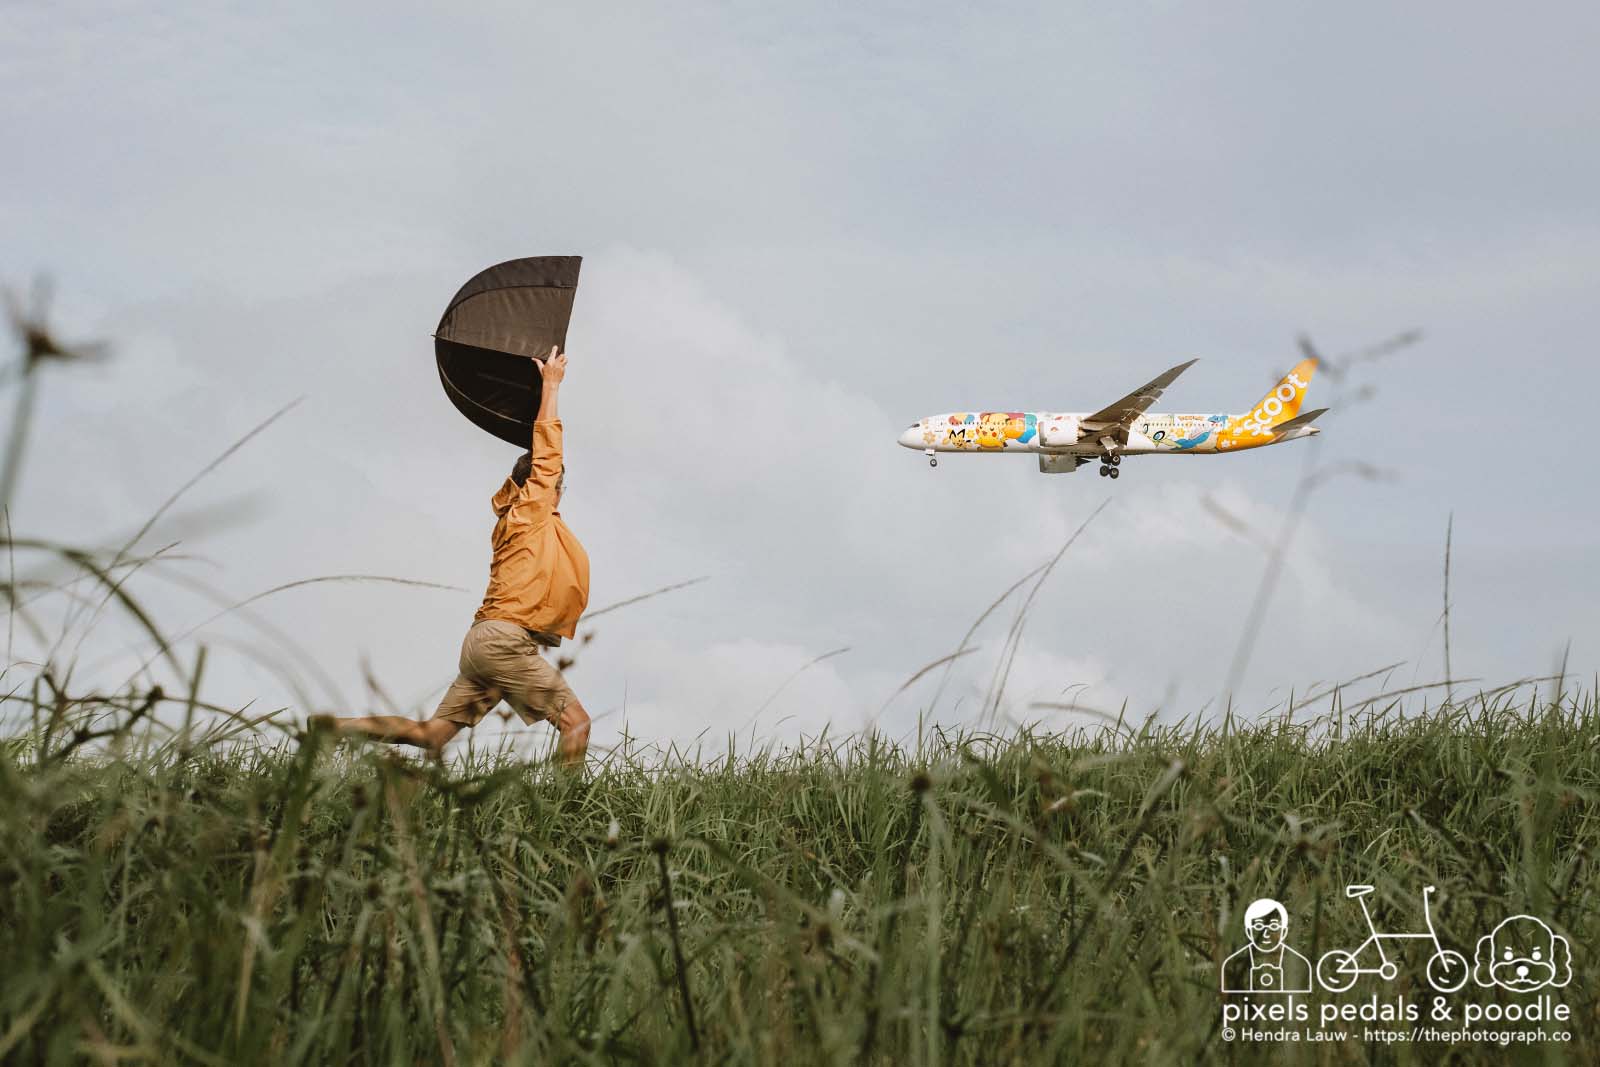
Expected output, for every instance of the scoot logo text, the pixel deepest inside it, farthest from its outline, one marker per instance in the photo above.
(1260, 420)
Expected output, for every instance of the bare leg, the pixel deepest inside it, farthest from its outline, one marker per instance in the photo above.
(397, 729)
(573, 722)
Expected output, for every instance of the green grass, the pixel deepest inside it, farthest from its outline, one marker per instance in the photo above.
(1032, 899)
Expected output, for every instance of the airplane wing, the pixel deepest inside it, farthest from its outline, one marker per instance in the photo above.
(1122, 414)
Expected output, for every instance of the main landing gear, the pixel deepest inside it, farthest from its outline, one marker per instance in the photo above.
(1109, 464)
(933, 460)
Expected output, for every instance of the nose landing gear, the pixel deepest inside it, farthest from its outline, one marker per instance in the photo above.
(933, 460)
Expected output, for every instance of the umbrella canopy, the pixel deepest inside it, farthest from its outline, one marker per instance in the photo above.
(488, 336)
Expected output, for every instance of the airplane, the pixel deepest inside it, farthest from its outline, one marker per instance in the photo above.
(1065, 441)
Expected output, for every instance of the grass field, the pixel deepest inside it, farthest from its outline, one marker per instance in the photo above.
(1031, 899)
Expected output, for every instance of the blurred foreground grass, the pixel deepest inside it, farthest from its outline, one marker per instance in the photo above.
(1028, 899)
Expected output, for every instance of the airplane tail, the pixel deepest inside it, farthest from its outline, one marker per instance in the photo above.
(1280, 405)
(1283, 402)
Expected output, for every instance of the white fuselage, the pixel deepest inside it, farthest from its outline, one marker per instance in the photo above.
(1062, 433)
(1066, 440)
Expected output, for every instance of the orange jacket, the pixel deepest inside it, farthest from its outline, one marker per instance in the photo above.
(539, 575)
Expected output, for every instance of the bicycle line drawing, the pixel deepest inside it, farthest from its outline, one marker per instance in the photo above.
(1338, 969)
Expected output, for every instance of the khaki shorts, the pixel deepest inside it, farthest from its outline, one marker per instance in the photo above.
(501, 661)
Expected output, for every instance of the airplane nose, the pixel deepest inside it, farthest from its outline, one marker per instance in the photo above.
(912, 438)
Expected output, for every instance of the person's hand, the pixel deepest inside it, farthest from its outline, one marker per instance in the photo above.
(553, 367)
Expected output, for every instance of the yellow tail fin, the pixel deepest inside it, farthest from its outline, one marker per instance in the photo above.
(1280, 404)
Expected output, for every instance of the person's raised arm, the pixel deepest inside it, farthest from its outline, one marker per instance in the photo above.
(552, 369)
(545, 474)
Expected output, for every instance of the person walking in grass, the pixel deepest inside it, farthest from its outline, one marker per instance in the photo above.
(538, 586)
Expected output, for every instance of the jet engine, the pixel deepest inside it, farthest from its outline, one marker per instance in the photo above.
(1061, 464)
(1057, 431)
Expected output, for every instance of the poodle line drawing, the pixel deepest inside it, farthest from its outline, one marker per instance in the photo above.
(1523, 955)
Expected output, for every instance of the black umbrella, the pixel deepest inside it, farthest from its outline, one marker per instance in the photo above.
(490, 333)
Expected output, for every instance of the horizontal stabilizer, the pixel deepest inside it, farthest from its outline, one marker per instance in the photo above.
(1299, 421)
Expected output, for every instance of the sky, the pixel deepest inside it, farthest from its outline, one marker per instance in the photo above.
(803, 229)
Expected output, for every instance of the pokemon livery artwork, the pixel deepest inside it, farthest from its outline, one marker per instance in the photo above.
(1065, 441)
